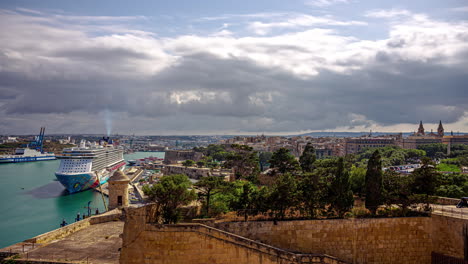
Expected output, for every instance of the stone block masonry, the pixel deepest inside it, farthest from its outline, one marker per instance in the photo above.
(384, 240)
(448, 235)
(196, 243)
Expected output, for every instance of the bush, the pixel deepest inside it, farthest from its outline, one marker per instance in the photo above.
(359, 212)
(448, 167)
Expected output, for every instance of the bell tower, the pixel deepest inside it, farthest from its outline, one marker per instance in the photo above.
(440, 129)
(421, 129)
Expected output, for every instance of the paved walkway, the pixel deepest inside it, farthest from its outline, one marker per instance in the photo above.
(98, 243)
(450, 210)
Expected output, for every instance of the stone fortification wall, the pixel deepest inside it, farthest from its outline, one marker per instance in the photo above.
(62, 232)
(384, 240)
(447, 201)
(195, 243)
(173, 156)
(448, 235)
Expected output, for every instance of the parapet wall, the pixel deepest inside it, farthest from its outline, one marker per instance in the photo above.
(447, 201)
(62, 232)
(384, 240)
(448, 235)
(196, 243)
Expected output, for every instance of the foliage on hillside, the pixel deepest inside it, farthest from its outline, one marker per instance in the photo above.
(391, 156)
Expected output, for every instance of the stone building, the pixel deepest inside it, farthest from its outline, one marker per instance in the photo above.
(118, 190)
(422, 138)
(355, 145)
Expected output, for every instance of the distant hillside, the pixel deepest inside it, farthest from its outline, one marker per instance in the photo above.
(346, 134)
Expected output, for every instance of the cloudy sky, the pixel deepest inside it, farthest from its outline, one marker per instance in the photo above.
(227, 67)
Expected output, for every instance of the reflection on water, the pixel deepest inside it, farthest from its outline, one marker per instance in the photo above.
(50, 190)
(33, 202)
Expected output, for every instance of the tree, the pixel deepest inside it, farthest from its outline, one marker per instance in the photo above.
(188, 163)
(374, 182)
(357, 178)
(340, 194)
(244, 162)
(207, 187)
(397, 190)
(425, 178)
(433, 150)
(263, 158)
(245, 204)
(308, 158)
(312, 193)
(169, 194)
(201, 163)
(284, 161)
(283, 195)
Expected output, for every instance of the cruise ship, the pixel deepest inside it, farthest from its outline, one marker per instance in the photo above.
(88, 165)
(33, 152)
(26, 155)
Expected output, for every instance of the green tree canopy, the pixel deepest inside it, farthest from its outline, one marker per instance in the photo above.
(201, 164)
(374, 182)
(340, 194)
(283, 195)
(434, 150)
(425, 178)
(308, 158)
(188, 163)
(284, 161)
(169, 194)
(244, 162)
(263, 158)
(312, 192)
(357, 179)
(397, 190)
(208, 186)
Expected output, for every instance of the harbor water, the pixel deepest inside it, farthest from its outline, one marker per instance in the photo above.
(33, 202)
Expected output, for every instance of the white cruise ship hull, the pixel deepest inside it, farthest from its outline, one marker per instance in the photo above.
(78, 182)
(17, 159)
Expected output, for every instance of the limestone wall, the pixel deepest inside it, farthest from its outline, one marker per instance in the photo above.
(385, 240)
(447, 235)
(62, 232)
(196, 243)
(447, 201)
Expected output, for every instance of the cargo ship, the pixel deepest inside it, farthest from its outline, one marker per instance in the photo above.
(89, 165)
(32, 152)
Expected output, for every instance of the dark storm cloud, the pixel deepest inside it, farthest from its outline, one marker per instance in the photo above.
(226, 84)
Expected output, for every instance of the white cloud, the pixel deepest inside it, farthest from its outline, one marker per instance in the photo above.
(298, 21)
(391, 13)
(325, 3)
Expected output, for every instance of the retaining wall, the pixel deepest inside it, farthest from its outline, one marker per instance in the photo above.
(384, 240)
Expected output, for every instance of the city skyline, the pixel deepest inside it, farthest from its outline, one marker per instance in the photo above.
(222, 68)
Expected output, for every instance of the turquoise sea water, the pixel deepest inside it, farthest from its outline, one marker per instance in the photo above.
(32, 202)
